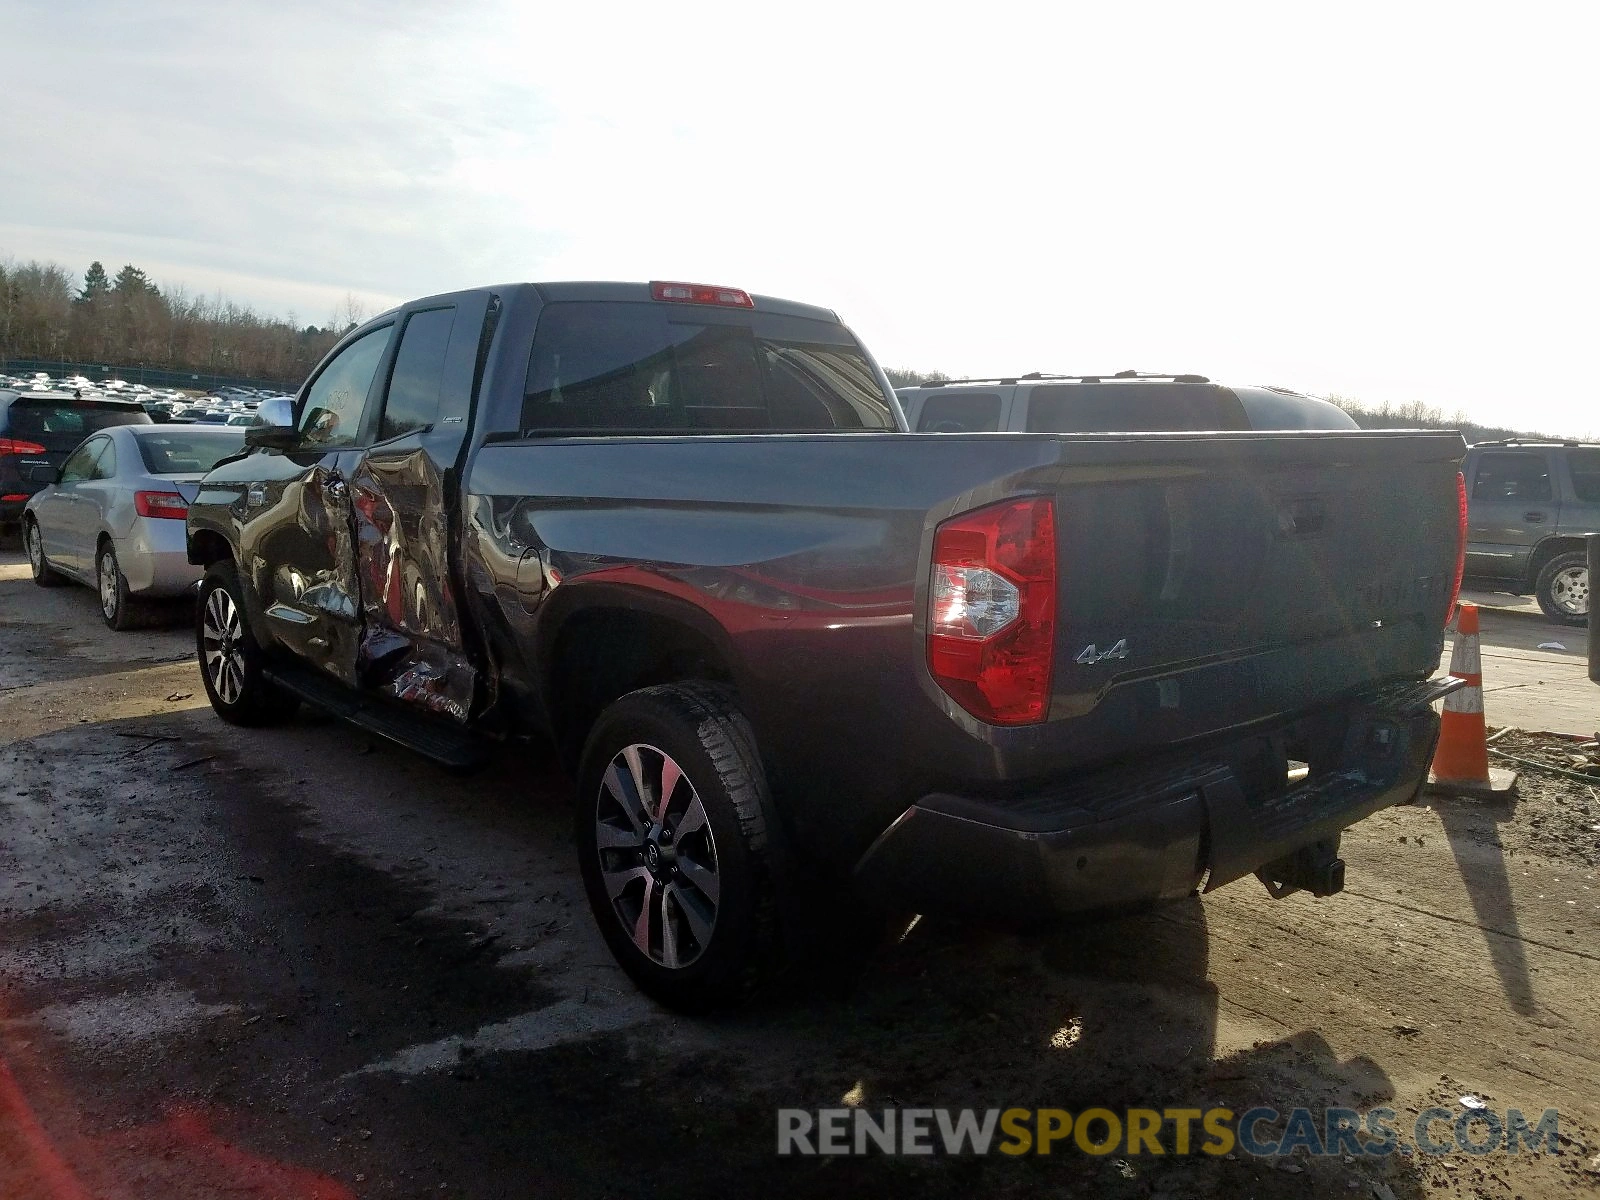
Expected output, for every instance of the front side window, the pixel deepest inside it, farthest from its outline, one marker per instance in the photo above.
(418, 374)
(105, 463)
(1521, 476)
(333, 407)
(656, 368)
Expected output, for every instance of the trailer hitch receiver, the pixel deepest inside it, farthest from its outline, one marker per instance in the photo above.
(1316, 868)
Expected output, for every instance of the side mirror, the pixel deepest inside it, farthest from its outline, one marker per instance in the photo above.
(43, 473)
(271, 437)
(274, 428)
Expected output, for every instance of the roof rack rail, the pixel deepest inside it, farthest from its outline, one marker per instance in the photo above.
(1530, 441)
(1040, 375)
(1004, 379)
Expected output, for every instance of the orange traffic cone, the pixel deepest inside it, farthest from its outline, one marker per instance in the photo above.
(1461, 763)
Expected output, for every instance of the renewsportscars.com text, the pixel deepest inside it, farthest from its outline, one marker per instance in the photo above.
(1263, 1132)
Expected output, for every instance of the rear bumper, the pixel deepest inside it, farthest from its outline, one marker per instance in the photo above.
(154, 557)
(1132, 837)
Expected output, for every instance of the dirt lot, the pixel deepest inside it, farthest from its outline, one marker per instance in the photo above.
(298, 963)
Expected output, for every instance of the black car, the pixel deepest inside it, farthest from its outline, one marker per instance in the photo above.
(37, 432)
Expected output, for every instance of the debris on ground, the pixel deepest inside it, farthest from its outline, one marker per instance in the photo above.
(1558, 752)
(1557, 812)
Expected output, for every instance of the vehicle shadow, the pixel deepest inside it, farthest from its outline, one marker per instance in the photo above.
(1472, 829)
(1113, 1013)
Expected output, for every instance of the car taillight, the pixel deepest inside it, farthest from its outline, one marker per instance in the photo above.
(1461, 547)
(701, 293)
(992, 610)
(161, 504)
(12, 446)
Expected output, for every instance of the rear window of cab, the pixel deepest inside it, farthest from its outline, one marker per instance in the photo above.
(622, 367)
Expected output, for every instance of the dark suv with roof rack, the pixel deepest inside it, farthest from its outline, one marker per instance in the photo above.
(1529, 506)
(1127, 402)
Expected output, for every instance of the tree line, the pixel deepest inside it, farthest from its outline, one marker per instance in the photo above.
(126, 320)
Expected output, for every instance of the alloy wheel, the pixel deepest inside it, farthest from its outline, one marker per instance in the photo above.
(35, 548)
(221, 632)
(1570, 591)
(108, 584)
(658, 857)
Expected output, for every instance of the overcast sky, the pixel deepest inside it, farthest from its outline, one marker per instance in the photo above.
(1395, 202)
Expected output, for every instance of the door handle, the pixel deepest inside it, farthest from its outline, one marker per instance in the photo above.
(336, 489)
(1535, 518)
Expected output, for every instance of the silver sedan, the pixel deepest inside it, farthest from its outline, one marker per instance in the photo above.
(114, 516)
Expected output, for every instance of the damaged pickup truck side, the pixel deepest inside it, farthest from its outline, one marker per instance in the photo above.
(794, 655)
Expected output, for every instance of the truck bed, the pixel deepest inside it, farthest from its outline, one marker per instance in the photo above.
(1241, 577)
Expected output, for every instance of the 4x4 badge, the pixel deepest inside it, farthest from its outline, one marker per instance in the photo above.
(1091, 654)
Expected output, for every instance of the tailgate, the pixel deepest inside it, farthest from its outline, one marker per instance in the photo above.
(1209, 582)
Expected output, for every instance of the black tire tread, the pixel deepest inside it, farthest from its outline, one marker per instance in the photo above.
(723, 733)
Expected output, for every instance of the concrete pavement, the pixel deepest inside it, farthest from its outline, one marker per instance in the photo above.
(1534, 689)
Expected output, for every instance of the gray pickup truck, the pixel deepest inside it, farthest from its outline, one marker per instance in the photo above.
(1530, 505)
(799, 659)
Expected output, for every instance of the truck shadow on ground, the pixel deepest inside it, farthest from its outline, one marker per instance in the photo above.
(1113, 1015)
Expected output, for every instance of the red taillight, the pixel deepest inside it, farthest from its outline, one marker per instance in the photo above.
(701, 293)
(16, 496)
(161, 504)
(992, 610)
(1461, 547)
(12, 446)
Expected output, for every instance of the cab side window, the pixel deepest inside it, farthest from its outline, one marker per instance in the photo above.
(414, 384)
(1514, 476)
(334, 406)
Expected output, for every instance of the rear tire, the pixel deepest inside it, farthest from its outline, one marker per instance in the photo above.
(43, 573)
(117, 605)
(682, 889)
(1563, 589)
(231, 660)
